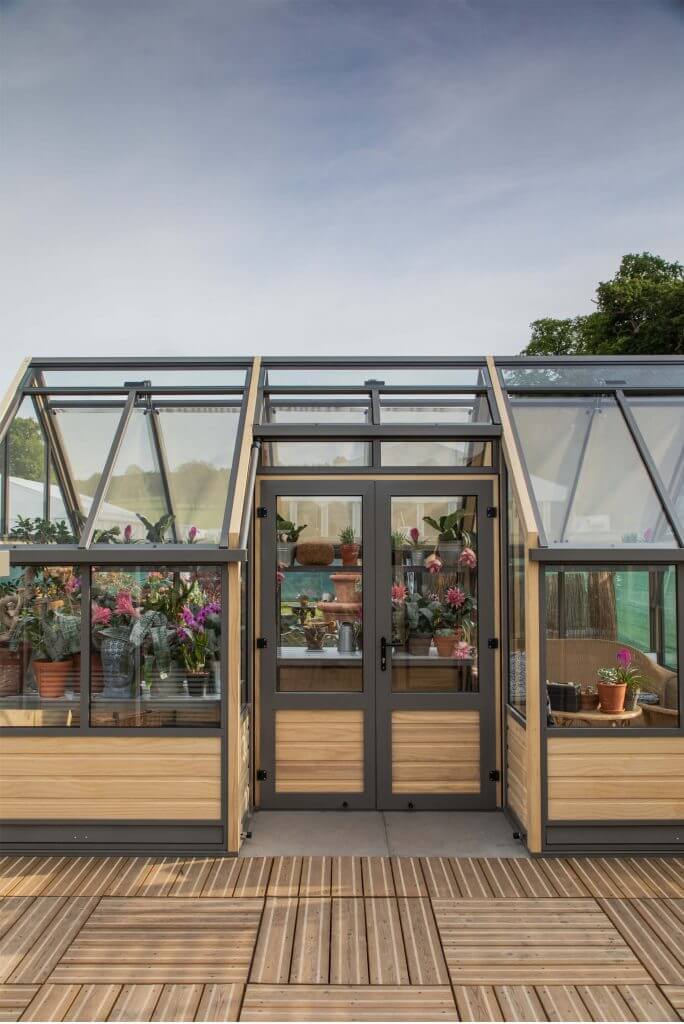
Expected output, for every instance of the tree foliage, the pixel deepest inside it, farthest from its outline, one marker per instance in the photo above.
(26, 449)
(639, 311)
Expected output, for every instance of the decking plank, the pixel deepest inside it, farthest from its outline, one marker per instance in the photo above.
(470, 878)
(253, 879)
(316, 876)
(11, 909)
(348, 945)
(477, 1003)
(604, 1002)
(54, 939)
(647, 1002)
(439, 877)
(93, 1003)
(502, 878)
(285, 876)
(408, 878)
(33, 882)
(311, 948)
(25, 932)
(519, 1002)
(421, 942)
(675, 995)
(178, 1002)
(563, 1003)
(273, 953)
(386, 955)
(220, 1002)
(377, 876)
(346, 877)
(222, 878)
(135, 1003)
(653, 953)
(358, 1003)
(191, 876)
(130, 879)
(51, 1002)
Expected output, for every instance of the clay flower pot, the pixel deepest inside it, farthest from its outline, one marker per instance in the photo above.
(419, 645)
(10, 672)
(445, 645)
(350, 553)
(588, 700)
(612, 697)
(52, 677)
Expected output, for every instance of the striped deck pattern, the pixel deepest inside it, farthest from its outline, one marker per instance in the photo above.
(341, 938)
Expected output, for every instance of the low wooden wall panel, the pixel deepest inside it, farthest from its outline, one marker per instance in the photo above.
(435, 752)
(607, 778)
(516, 768)
(319, 751)
(62, 778)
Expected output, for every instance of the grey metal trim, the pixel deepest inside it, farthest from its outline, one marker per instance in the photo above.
(543, 540)
(103, 483)
(225, 620)
(622, 555)
(578, 471)
(303, 431)
(246, 524)
(620, 837)
(60, 460)
(232, 479)
(15, 403)
(122, 554)
(373, 471)
(160, 452)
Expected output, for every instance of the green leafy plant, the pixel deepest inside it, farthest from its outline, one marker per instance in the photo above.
(41, 531)
(288, 532)
(156, 532)
(623, 672)
(421, 612)
(347, 535)
(399, 539)
(53, 635)
(450, 528)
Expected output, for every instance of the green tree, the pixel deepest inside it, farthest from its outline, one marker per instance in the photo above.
(26, 449)
(640, 311)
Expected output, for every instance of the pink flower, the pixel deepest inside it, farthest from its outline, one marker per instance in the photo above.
(434, 564)
(648, 535)
(101, 616)
(128, 534)
(624, 657)
(455, 597)
(280, 577)
(192, 533)
(414, 534)
(461, 650)
(72, 584)
(468, 557)
(399, 592)
(124, 604)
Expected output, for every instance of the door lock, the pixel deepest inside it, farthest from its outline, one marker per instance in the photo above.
(383, 654)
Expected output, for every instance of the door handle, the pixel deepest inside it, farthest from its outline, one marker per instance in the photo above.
(383, 654)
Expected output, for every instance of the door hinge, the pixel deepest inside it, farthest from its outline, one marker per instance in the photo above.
(495, 775)
(262, 775)
(492, 512)
(261, 512)
(492, 643)
(262, 643)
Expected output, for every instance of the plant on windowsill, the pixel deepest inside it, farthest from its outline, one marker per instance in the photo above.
(287, 533)
(54, 637)
(195, 645)
(417, 550)
(453, 620)
(452, 537)
(349, 549)
(619, 686)
(421, 610)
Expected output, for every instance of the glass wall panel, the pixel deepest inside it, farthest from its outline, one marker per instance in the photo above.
(434, 594)
(40, 647)
(438, 409)
(609, 374)
(517, 648)
(316, 453)
(319, 593)
(27, 471)
(588, 479)
(661, 422)
(86, 435)
(155, 657)
(435, 453)
(611, 647)
(391, 376)
(316, 409)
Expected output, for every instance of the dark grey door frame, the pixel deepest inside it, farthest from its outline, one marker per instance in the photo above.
(376, 700)
(270, 699)
(484, 700)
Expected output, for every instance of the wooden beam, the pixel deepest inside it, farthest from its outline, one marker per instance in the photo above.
(242, 472)
(12, 389)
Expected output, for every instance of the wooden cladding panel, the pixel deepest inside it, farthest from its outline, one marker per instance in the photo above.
(319, 751)
(58, 778)
(516, 768)
(435, 752)
(616, 778)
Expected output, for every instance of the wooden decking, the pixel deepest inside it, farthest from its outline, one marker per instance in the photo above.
(341, 938)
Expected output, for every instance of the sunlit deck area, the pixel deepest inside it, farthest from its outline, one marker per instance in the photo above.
(341, 938)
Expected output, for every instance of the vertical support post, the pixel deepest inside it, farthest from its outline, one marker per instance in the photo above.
(232, 700)
(533, 641)
(230, 534)
(85, 647)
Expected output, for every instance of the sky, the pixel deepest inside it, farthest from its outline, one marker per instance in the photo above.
(327, 177)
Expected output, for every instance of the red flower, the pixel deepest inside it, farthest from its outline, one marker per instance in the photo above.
(399, 592)
(455, 597)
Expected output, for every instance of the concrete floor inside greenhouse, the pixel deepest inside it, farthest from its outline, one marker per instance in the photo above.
(382, 834)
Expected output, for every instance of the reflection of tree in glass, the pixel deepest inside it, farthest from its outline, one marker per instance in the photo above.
(26, 450)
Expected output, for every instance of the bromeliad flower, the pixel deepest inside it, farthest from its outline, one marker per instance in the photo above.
(124, 604)
(434, 564)
(461, 650)
(128, 534)
(468, 557)
(72, 584)
(624, 657)
(399, 592)
(414, 534)
(455, 597)
(100, 616)
(192, 534)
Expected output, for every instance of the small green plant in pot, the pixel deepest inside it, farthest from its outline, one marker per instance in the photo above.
(619, 686)
(349, 549)
(421, 611)
(54, 638)
(452, 537)
(287, 533)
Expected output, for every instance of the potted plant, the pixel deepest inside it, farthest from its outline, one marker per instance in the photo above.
(589, 698)
(453, 618)
(420, 615)
(399, 543)
(451, 535)
(445, 639)
(54, 638)
(615, 681)
(349, 549)
(195, 645)
(288, 535)
(112, 636)
(417, 552)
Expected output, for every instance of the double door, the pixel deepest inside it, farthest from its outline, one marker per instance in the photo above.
(376, 654)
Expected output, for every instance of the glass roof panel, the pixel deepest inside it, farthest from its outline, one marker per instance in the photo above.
(588, 479)
(117, 377)
(314, 409)
(445, 409)
(661, 422)
(391, 376)
(86, 435)
(609, 374)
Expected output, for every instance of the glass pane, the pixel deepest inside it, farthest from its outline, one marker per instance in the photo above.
(199, 443)
(517, 656)
(26, 478)
(155, 657)
(360, 376)
(434, 594)
(316, 409)
(435, 453)
(661, 421)
(445, 409)
(608, 374)
(135, 490)
(120, 376)
(40, 650)
(316, 453)
(587, 476)
(611, 651)
(319, 593)
(86, 435)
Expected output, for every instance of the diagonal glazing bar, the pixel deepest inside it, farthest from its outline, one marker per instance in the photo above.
(162, 460)
(103, 484)
(60, 461)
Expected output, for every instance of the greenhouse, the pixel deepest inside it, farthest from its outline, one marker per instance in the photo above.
(373, 584)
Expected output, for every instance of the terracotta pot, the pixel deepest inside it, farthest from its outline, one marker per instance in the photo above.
(445, 645)
(11, 665)
(612, 697)
(52, 677)
(315, 552)
(345, 587)
(419, 646)
(588, 701)
(350, 553)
